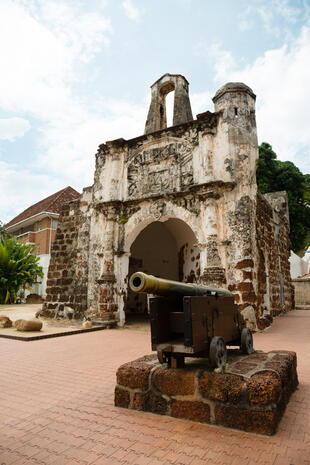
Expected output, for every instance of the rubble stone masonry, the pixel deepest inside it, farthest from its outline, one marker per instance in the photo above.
(68, 269)
(273, 248)
(251, 395)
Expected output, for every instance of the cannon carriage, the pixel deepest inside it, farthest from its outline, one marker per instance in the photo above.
(190, 320)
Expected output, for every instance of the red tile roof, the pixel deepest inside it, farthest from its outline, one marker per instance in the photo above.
(51, 204)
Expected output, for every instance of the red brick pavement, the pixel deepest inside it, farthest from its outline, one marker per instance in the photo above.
(56, 407)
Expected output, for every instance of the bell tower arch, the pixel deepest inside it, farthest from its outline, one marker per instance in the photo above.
(182, 112)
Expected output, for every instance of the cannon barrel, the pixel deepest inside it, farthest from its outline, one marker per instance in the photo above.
(148, 284)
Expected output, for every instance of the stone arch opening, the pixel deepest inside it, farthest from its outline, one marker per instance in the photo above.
(167, 249)
(181, 112)
(166, 104)
(169, 102)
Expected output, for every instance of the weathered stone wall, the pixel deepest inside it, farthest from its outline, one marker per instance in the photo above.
(273, 249)
(302, 291)
(68, 270)
(201, 173)
(194, 181)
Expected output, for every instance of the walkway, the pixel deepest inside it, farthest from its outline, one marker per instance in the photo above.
(56, 406)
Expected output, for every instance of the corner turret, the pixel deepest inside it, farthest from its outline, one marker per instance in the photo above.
(235, 102)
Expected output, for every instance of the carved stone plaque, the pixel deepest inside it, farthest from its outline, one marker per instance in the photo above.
(160, 170)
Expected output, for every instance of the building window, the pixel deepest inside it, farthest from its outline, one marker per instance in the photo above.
(54, 224)
(39, 225)
(37, 246)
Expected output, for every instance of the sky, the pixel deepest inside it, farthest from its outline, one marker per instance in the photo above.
(76, 73)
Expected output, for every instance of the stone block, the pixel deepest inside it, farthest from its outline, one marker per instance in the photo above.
(147, 358)
(283, 367)
(121, 397)
(258, 357)
(134, 375)
(255, 421)
(222, 387)
(139, 401)
(237, 298)
(246, 263)
(34, 299)
(28, 325)
(247, 275)
(191, 410)
(155, 403)
(51, 306)
(243, 368)
(285, 363)
(103, 308)
(245, 286)
(5, 322)
(107, 315)
(264, 388)
(174, 381)
(249, 297)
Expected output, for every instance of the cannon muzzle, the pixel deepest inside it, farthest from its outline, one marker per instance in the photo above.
(148, 284)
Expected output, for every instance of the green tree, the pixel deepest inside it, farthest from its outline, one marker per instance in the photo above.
(307, 190)
(3, 231)
(18, 267)
(274, 175)
(266, 168)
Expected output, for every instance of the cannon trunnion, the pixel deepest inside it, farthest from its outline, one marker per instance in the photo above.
(189, 320)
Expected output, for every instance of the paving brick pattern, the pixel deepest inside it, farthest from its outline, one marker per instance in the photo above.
(56, 407)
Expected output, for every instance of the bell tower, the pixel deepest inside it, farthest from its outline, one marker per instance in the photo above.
(182, 113)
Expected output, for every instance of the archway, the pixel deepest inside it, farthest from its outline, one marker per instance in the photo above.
(166, 107)
(167, 249)
(169, 102)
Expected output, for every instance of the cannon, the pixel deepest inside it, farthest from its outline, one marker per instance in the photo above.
(191, 320)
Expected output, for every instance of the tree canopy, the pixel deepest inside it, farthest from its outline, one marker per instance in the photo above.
(274, 175)
(19, 267)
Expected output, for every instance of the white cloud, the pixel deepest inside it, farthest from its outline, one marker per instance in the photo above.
(67, 147)
(224, 61)
(70, 142)
(20, 188)
(245, 23)
(131, 11)
(269, 12)
(280, 78)
(11, 128)
(43, 44)
(284, 8)
(221, 60)
(201, 102)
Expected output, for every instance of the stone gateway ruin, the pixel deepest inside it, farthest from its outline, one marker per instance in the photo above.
(180, 203)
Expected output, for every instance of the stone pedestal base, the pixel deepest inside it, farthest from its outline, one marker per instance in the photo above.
(251, 395)
(102, 322)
